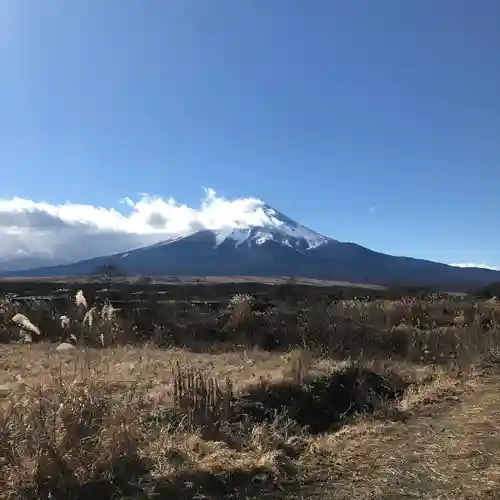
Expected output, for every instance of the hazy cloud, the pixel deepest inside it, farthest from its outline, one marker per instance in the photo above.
(34, 218)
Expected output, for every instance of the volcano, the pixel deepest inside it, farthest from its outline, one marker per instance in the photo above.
(278, 246)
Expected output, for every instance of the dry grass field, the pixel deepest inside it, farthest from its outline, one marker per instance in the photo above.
(207, 280)
(420, 419)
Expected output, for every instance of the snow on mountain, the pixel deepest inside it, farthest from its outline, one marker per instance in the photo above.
(278, 228)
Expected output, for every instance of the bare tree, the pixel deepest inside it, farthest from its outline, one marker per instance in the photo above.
(107, 272)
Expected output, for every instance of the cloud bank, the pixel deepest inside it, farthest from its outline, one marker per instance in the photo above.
(470, 264)
(36, 233)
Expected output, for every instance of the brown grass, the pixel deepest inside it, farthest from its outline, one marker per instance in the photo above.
(142, 422)
(89, 423)
(450, 448)
(145, 422)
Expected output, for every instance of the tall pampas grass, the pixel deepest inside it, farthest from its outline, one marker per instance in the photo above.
(23, 322)
(108, 312)
(65, 322)
(96, 323)
(80, 300)
(240, 308)
(90, 316)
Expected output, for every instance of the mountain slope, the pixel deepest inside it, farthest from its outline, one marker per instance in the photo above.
(278, 246)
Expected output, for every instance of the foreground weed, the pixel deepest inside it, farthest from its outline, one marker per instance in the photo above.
(202, 401)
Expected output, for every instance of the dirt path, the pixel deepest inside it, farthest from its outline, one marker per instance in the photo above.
(453, 453)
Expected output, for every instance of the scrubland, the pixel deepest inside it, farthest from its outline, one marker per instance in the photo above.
(346, 399)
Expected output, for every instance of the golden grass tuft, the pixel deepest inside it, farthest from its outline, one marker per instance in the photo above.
(202, 400)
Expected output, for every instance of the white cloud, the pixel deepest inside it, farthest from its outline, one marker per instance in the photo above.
(71, 232)
(482, 266)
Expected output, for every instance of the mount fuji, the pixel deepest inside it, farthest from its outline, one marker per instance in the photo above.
(276, 247)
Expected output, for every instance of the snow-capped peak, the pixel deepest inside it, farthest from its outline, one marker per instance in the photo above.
(276, 227)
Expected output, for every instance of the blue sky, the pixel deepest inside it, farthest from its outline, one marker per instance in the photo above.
(370, 121)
